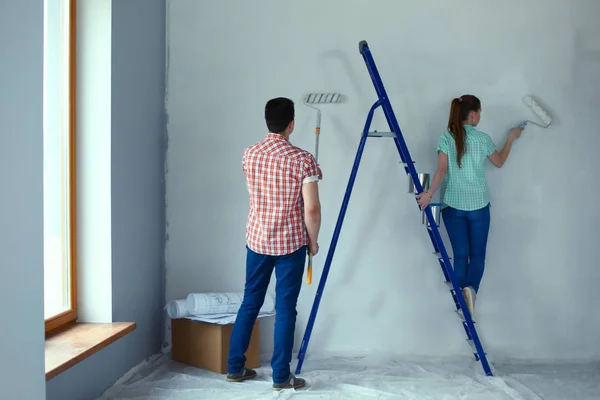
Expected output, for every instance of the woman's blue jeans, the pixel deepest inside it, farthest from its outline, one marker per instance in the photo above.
(468, 233)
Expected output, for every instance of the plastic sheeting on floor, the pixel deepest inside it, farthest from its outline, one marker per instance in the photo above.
(371, 377)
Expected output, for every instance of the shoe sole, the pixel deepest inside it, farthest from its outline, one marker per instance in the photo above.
(243, 378)
(290, 387)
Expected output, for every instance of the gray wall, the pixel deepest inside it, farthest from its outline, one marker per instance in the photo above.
(138, 74)
(21, 236)
(138, 196)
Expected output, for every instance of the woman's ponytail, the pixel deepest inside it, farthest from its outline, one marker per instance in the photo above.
(459, 112)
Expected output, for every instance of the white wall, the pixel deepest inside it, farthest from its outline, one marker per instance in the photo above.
(21, 201)
(539, 296)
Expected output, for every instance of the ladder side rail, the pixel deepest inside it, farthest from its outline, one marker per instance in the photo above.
(334, 239)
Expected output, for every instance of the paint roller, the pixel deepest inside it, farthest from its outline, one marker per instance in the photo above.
(538, 110)
(311, 100)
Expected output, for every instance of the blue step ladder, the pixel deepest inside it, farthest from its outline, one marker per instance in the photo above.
(432, 228)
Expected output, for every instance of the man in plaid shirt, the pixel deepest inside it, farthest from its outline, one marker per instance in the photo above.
(283, 224)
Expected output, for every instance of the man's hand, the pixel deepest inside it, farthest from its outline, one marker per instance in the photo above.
(313, 248)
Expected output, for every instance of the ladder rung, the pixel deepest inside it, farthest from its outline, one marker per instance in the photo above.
(472, 344)
(463, 318)
(381, 134)
(439, 256)
(466, 325)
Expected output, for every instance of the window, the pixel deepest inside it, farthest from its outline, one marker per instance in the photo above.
(60, 284)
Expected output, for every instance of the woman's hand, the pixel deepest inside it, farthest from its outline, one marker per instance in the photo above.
(515, 133)
(423, 200)
(499, 158)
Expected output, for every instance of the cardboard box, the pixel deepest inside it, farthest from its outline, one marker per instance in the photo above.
(206, 346)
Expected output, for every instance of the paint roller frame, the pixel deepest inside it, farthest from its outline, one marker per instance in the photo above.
(311, 100)
(539, 112)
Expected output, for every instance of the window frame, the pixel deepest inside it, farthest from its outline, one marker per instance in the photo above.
(70, 316)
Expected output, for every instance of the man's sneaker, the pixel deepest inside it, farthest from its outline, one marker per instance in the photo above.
(246, 373)
(291, 383)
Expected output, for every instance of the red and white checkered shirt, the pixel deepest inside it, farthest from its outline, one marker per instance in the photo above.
(275, 171)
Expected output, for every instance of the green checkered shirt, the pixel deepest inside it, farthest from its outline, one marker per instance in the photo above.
(466, 188)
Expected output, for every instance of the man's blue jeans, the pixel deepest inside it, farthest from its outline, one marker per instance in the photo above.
(289, 270)
(468, 233)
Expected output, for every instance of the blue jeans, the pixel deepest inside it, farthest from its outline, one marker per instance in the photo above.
(289, 270)
(468, 233)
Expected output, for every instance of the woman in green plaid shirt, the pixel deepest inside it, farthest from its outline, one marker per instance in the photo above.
(462, 152)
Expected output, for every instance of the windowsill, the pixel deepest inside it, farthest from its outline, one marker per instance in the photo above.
(78, 341)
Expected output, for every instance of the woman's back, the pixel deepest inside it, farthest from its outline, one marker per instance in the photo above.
(465, 186)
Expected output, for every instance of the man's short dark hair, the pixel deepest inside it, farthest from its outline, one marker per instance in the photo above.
(279, 112)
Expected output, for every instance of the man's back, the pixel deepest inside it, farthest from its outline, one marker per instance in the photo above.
(283, 227)
(275, 171)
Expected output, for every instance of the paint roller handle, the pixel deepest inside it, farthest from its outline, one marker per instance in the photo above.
(310, 262)
(309, 272)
